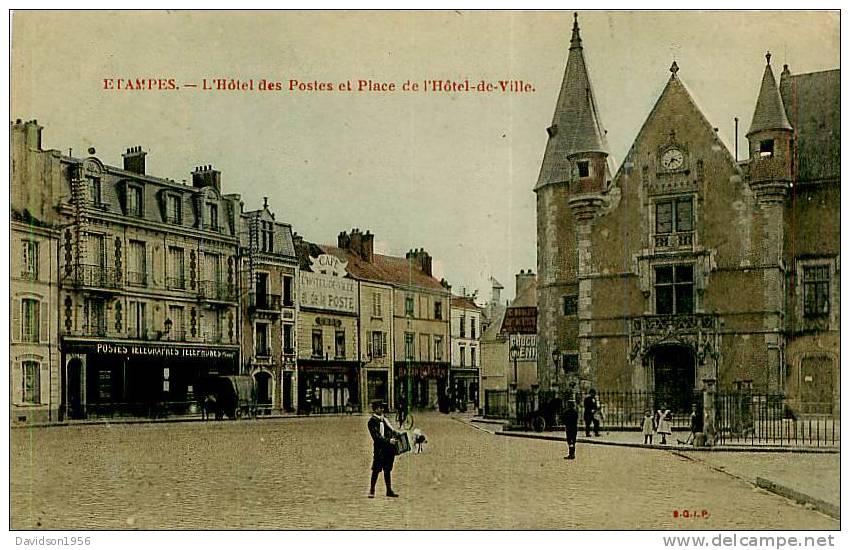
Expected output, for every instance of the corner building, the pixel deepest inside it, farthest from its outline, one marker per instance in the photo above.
(686, 265)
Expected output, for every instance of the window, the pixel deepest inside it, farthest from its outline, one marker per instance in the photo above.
(174, 209)
(408, 306)
(438, 348)
(408, 346)
(30, 329)
(94, 190)
(287, 339)
(472, 327)
(267, 236)
(674, 216)
(424, 347)
(96, 321)
(674, 289)
(570, 305)
(438, 310)
(471, 357)
(583, 168)
(766, 148)
(177, 275)
(262, 342)
(175, 313)
(379, 343)
(212, 216)
(340, 344)
(815, 290)
(570, 362)
(287, 291)
(137, 259)
(31, 391)
(215, 335)
(137, 320)
(377, 305)
(212, 262)
(462, 356)
(134, 201)
(29, 268)
(318, 347)
(97, 252)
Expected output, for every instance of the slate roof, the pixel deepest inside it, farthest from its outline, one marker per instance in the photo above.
(769, 113)
(576, 127)
(813, 105)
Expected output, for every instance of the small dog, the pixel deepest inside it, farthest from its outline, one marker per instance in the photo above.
(419, 440)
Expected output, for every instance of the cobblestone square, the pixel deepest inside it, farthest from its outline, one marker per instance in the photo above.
(313, 473)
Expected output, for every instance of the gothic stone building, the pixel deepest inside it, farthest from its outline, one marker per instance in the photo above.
(685, 264)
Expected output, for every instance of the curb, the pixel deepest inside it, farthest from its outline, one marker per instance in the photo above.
(820, 505)
(174, 420)
(720, 449)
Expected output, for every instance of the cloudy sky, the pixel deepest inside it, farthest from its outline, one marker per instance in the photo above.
(450, 172)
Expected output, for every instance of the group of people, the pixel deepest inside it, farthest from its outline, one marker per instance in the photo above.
(592, 415)
(660, 423)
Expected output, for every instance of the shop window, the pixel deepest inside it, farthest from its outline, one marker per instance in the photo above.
(340, 344)
(816, 290)
(30, 320)
(570, 305)
(674, 289)
(29, 268)
(318, 348)
(31, 391)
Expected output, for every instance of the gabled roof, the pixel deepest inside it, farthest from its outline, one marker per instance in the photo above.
(813, 105)
(384, 269)
(576, 127)
(770, 112)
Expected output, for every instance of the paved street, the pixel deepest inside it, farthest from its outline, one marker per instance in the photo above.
(312, 473)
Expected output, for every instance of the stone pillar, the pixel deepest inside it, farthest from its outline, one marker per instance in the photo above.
(709, 413)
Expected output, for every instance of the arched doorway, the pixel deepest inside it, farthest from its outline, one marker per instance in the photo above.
(674, 374)
(264, 390)
(74, 369)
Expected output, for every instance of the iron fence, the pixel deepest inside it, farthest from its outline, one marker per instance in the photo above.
(496, 404)
(767, 419)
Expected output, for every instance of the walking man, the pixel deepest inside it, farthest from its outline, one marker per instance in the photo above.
(383, 448)
(570, 420)
(591, 405)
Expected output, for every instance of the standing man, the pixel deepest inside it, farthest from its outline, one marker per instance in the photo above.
(591, 405)
(570, 420)
(383, 448)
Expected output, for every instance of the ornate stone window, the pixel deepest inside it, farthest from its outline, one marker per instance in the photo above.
(674, 222)
(674, 289)
(815, 290)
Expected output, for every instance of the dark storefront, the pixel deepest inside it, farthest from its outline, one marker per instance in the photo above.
(424, 384)
(138, 379)
(328, 386)
(464, 388)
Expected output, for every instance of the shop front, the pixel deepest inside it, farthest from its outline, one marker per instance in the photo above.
(138, 379)
(464, 388)
(328, 386)
(423, 385)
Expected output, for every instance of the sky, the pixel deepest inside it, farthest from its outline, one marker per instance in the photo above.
(450, 172)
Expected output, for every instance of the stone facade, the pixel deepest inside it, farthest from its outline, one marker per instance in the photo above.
(687, 264)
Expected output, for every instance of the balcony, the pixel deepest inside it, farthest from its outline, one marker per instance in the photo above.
(214, 227)
(175, 283)
(216, 291)
(674, 241)
(136, 278)
(699, 331)
(266, 302)
(94, 276)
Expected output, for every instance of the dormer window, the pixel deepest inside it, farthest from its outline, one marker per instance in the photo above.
(583, 168)
(212, 216)
(134, 201)
(766, 148)
(173, 209)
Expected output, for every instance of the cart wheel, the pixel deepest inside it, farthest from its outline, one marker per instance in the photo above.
(238, 413)
(538, 423)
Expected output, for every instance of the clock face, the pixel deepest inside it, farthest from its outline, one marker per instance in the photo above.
(672, 159)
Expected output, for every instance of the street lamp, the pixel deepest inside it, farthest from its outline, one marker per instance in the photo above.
(514, 352)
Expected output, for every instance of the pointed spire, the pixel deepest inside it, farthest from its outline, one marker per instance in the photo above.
(770, 111)
(576, 127)
(674, 68)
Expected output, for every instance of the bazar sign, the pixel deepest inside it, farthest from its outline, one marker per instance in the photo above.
(520, 320)
(162, 351)
(328, 292)
(527, 345)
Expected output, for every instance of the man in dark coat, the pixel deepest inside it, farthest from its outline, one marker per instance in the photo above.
(591, 405)
(570, 419)
(383, 448)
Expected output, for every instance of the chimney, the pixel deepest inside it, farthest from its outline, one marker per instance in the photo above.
(523, 280)
(356, 240)
(343, 240)
(204, 176)
(496, 291)
(367, 250)
(134, 160)
(297, 240)
(31, 132)
(420, 259)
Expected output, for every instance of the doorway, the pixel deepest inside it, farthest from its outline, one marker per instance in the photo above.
(675, 378)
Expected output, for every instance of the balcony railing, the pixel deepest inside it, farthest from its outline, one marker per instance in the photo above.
(136, 278)
(29, 275)
(216, 290)
(266, 302)
(94, 330)
(214, 227)
(175, 283)
(95, 276)
(674, 241)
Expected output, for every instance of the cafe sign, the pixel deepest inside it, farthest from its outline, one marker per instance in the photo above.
(326, 288)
